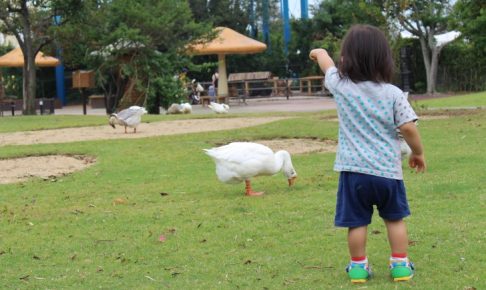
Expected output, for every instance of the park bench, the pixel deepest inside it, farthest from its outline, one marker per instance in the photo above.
(247, 84)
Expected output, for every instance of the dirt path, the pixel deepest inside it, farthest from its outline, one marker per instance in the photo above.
(144, 130)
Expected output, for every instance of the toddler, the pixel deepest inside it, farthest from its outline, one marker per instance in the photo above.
(370, 109)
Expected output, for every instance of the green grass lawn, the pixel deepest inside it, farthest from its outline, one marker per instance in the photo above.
(70, 233)
(460, 101)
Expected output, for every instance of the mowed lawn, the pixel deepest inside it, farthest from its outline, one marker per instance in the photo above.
(100, 227)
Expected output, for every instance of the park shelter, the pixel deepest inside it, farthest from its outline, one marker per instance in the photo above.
(15, 58)
(227, 42)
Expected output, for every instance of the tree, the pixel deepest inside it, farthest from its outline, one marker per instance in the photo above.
(136, 47)
(30, 22)
(470, 19)
(331, 20)
(424, 19)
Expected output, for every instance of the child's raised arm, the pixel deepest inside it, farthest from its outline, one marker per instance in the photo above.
(322, 58)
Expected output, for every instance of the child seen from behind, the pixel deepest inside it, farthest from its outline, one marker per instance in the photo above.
(368, 158)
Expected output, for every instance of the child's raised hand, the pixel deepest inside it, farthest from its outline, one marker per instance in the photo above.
(322, 58)
(316, 52)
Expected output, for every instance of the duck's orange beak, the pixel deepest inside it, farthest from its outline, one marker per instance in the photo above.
(292, 180)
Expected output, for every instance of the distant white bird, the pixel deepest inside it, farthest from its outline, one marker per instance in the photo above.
(184, 108)
(240, 161)
(130, 117)
(405, 150)
(219, 108)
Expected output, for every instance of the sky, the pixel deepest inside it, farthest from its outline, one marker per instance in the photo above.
(294, 7)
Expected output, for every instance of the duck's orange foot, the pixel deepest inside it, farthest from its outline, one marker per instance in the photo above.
(253, 193)
(249, 191)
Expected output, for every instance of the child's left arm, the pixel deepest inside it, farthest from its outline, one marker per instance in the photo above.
(412, 137)
(322, 58)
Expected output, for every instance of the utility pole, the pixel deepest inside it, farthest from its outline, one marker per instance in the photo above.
(304, 9)
(286, 24)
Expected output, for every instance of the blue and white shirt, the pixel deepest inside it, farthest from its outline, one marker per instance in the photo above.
(369, 114)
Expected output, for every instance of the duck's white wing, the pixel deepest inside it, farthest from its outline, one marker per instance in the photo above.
(127, 113)
(132, 116)
(241, 160)
(216, 107)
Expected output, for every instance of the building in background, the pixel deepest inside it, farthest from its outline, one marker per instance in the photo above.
(8, 40)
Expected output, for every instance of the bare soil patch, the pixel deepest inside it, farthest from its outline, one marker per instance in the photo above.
(445, 113)
(47, 167)
(438, 114)
(300, 145)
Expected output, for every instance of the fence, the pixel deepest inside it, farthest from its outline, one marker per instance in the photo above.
(44, 105)
(241, 90)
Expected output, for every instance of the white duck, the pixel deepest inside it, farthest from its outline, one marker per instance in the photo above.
(130, 117)
(218, 108)
(240, 161)
(405, 150)
(184, 108)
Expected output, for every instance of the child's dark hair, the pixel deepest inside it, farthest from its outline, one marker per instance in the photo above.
(366, 55)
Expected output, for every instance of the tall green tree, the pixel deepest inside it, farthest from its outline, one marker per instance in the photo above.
(470, 19)
(331, 20)
(424, 19)
(30, 22)
(136, 48)
(229, 13)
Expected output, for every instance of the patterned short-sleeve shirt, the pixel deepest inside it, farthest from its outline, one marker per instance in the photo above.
(369, 114)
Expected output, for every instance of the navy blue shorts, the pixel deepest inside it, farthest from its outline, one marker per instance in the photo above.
(358, 192)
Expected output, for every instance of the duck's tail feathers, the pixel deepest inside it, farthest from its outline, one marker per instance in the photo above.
(209, 152)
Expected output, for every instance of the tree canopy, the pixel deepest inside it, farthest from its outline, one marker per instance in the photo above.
(31, 22)
(136, 47)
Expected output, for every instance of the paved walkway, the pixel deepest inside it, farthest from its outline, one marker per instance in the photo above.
(257, 105)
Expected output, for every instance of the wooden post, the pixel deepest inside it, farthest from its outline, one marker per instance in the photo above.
(247, 89)
(41, 106)
(83, 80)
(85, 100)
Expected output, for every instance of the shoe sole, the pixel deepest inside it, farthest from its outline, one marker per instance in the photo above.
(358, 281)
(403, 279)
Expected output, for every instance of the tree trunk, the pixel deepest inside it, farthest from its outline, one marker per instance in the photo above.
(431, 85)
(428, 65)
(29, 51)
(29, 88)
(2, 88)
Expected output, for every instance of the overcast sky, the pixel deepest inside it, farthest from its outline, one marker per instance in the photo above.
(294, 6)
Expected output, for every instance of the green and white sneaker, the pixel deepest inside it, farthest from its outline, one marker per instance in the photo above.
(358, 272)
(401, 269)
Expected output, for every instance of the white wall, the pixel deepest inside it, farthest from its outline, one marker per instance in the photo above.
(8, 40)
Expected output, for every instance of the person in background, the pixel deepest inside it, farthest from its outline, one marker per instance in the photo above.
(370, 109)
(212, 93)
(214, 80)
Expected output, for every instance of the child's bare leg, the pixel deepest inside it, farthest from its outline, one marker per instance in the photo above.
(397, 236)
(357, 241)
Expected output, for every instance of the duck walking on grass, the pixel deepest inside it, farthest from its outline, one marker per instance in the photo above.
(240, 161)
(130, 117)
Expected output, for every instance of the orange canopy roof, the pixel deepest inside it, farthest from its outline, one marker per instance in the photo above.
(229, 41)
(15, 58)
